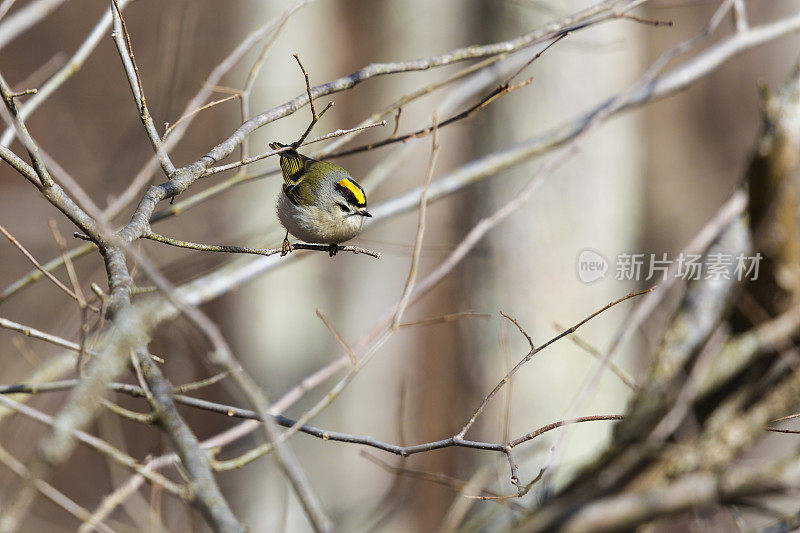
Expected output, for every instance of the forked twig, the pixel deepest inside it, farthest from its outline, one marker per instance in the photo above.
(499, 91)
(314, 116)
(534, 351)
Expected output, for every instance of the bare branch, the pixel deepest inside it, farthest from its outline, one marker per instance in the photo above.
(443, 319)
(49, 491)
(323, 434)
(314, 116)
(555, 425)
(143, 177)
(257, 251)
(594, 352)
(338, 337)
(438, 478)
(503, 89)
(11, 116)
(222, 168)
(198, 110)
(102, 447)
(50, 266)
(123, 41)
(47, 274)
(22, 20)
(534, 351)
(72, 66)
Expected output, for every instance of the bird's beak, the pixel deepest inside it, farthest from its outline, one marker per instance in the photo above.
(365, 214)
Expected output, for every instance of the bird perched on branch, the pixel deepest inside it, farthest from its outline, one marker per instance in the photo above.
(320, 202)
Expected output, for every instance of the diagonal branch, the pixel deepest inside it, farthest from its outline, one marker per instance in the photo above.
(47, 274)
(65, 72)
(534, 351)
(123, 41)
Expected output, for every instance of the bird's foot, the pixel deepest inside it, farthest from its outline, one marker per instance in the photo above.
(286, 247)
(333, 249)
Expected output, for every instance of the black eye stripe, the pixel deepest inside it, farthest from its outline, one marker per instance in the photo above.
(348, 194)
(343, 207)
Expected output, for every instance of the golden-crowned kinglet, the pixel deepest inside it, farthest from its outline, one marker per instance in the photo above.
(320, 202)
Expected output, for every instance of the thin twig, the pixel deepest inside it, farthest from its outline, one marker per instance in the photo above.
(37, 334)
(314, 116)
(483, 102)
(781, 430)
(25, 92)
(76, 287)
(423, 205)
(740, 16)
(320, 433)
(257, 251)
(196, 385)
(338, 337)
(238, 412)
(143, 177)
(646, 21)
(555, 425)
(198, 110)
(73, 277)
(102, 447)
(438, 478)
(10, 112)
(534, 351)
(520, 328)
(594, 352)
(50, 266)
(501, 90)
(49, 491)
(222, 168)
(141, 418)
(444, 319)
(123, 41)
(44, 271)
(250, 83)
(72, 66)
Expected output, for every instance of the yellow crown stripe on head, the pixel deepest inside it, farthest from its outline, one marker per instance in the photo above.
(355, 189)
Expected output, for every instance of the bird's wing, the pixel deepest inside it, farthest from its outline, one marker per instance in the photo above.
(294, 167)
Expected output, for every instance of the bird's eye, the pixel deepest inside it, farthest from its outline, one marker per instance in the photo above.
(344, 208)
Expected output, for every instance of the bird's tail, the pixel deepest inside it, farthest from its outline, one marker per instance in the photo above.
(276, 145)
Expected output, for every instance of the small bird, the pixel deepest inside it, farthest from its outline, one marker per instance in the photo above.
(320, 203)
